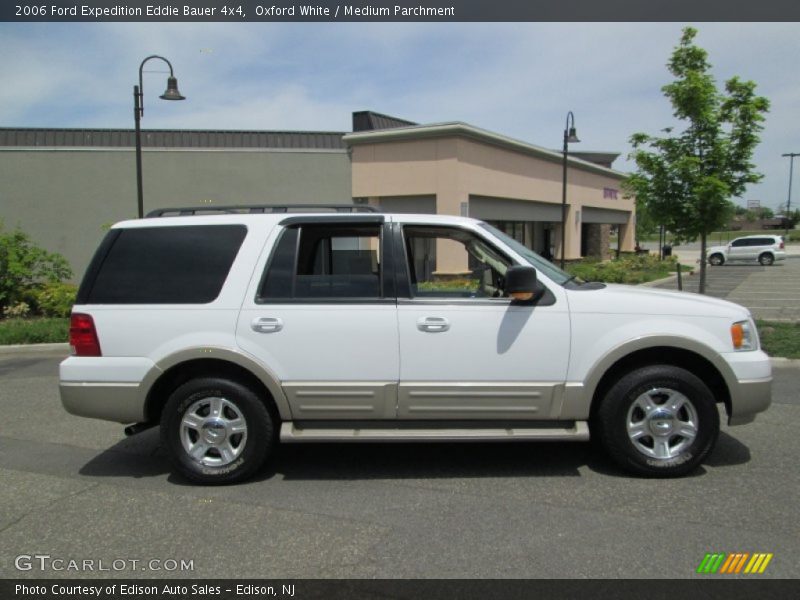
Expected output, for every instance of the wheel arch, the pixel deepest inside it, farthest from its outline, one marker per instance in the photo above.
(769, 253)
(178, 368)
(717, 253)
(684, 353)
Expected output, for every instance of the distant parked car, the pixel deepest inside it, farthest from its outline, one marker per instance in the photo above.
(765, 249)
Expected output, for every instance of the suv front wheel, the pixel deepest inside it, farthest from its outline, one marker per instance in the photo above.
(716, 259)
(216, 430)
(658, 421)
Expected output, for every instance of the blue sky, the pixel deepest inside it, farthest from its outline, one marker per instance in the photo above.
(518, 79)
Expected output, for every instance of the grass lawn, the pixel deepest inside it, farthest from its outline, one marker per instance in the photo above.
(780, 338)
(33, 331)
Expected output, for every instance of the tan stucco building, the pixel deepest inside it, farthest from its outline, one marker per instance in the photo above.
(64, 186)
(458, 169)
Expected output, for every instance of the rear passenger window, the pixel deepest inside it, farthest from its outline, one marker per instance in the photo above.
(324, 261)
(167, 265)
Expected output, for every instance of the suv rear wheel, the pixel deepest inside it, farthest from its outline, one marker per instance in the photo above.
(658, 421)
(766, 259)
(216, 430)
(716, 259)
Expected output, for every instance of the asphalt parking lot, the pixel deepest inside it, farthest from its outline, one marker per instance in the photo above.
(77, 489)
(771, 293)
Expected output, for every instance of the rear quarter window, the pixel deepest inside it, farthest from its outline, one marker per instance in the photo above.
(162, 265)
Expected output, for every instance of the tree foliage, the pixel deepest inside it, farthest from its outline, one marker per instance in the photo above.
(686, 179)
(24, 265)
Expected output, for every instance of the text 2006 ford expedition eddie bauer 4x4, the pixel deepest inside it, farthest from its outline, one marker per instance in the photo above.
(233, 331)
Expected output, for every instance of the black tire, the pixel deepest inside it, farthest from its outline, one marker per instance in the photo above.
(716, 260)
(623, 425)
(766, 259)
(230, 454)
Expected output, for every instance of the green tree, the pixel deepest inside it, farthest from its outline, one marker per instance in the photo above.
(765, 212)
(686, 179)
(23, 265)
(646, 225)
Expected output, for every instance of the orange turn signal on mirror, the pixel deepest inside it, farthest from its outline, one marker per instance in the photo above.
(737, 335)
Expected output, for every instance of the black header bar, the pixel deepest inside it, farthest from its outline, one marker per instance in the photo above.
(398, 10)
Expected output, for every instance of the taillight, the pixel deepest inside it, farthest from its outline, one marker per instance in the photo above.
(83, 336)
(781, 244)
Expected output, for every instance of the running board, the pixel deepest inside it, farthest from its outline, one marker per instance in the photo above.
(579, 432)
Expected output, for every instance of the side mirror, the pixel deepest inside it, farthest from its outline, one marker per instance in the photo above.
(521, 282)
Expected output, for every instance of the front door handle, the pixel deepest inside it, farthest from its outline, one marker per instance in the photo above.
(266, 324)
(433, 324)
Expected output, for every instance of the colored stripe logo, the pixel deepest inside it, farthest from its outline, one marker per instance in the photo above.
(735, 563)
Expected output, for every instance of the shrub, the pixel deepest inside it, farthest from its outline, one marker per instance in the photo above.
(627, 269)
(24, 265)
(55, 299)
(16, 311)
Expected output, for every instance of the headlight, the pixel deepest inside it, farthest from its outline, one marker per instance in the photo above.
(743, 335)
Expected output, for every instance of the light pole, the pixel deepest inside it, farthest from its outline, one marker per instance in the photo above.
(570, 136)
(172, 93)
(786, 217)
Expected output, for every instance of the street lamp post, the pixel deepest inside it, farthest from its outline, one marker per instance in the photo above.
(570, 137)
(172, 93)
(791, 156)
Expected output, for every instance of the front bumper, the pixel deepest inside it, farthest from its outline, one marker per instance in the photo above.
(748, 398)
(751, 390)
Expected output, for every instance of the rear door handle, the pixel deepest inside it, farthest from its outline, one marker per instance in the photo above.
(433, 324)
(266, 324)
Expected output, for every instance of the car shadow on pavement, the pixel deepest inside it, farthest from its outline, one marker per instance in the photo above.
(141, 456)
(137, 456)
(728, 452)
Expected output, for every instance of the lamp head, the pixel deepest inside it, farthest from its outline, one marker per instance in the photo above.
(572, 136)
(172, 92)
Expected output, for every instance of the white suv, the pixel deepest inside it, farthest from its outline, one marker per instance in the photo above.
(235, 331)
(765, 249)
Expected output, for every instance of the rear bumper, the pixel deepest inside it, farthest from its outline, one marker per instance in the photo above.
(121, 402)
(107, 388)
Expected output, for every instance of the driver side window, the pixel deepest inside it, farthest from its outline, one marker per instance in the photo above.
(447, 262)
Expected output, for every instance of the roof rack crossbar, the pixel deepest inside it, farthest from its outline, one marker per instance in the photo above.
(258, 209)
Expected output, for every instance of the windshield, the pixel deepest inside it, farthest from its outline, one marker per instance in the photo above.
(536, 261)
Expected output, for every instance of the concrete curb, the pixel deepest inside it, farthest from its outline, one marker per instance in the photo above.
(785, 363)
(656, 282)
(33, 348)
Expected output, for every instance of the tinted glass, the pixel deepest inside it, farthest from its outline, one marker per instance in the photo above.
(167, 265)
(740, 243)
(330, 261)
(279, 278)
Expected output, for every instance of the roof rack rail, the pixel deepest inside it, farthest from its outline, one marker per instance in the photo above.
(258, 209)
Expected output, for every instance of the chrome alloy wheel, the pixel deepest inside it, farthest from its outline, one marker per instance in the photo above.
(213, 432)
(662, 423)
